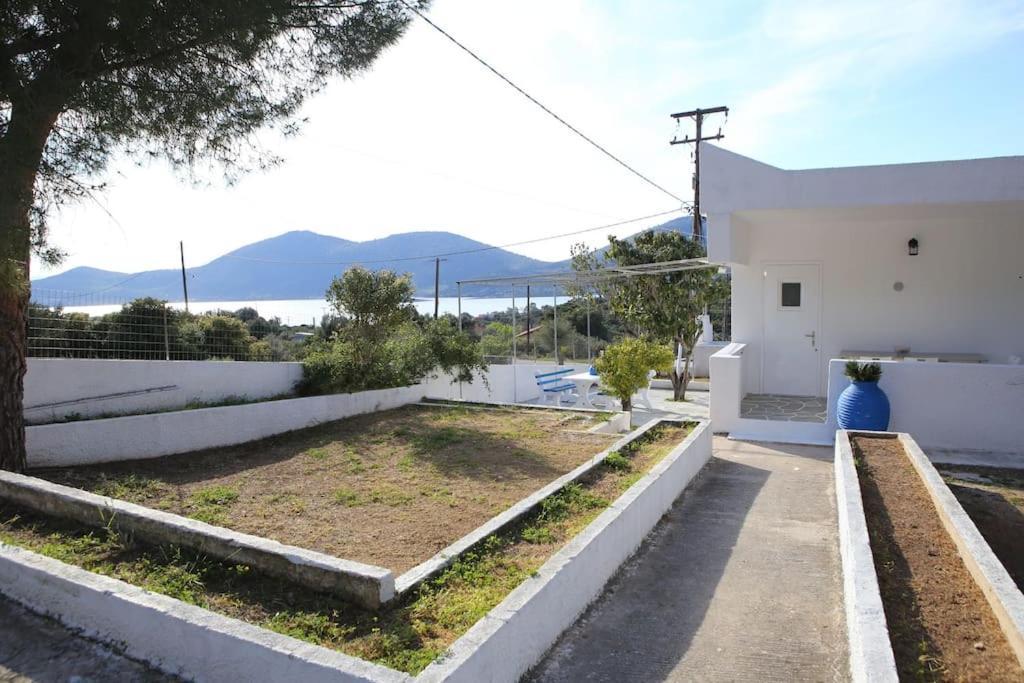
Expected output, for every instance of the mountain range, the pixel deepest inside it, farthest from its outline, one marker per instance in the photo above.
(301, 264)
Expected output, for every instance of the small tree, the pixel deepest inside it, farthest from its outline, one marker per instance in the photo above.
(624, 367)
(383, 343)
(666, 306)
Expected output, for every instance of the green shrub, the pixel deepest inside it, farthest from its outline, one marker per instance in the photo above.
(618, 462)
(863, 372)
(624, 367)
(383, 344)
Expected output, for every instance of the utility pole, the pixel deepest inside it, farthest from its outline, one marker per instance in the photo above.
(184, 282)
(698, 116)
(527, 320)
(437, 284)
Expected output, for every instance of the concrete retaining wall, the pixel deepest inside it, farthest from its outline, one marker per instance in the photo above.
(363, 584)
(176, 637)
(871, 656)
(151, 436)
(143, 385)
(515, 635)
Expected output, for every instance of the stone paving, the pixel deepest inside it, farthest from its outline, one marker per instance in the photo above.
(34, 648)
(784, 408)
(741, 581)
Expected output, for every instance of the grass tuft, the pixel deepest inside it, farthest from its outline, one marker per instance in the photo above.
(210, 504)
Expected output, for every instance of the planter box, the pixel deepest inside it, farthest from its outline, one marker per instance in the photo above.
(199, 644)
(871, 654)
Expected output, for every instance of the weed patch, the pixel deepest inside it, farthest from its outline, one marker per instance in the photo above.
(211, 503)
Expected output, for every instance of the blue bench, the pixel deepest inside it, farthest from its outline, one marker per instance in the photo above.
(553, 384)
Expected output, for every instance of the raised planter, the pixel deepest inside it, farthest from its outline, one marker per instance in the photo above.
(898, 519)
(195, 643)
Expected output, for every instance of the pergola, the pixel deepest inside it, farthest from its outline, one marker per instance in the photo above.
(579, 279)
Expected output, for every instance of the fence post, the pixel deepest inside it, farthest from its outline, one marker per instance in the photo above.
(167, 343)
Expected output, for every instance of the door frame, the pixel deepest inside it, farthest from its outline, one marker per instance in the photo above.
(764, 265)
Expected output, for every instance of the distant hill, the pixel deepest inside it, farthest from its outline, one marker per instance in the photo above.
(301, 264)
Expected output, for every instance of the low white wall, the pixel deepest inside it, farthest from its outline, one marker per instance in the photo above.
(968, 406)
(60, 380)
(151, 436)
(726, 368)
(178, 638)
(505, 384)
(702, 357)
(871, 657)
(727, 392)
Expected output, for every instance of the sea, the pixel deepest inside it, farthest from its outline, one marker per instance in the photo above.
(303, 311)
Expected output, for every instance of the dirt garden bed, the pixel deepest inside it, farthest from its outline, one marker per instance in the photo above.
(389, 488)
(405, 636)
(940, 625)
(994, 499)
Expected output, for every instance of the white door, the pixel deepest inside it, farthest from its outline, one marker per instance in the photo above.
(792, 329)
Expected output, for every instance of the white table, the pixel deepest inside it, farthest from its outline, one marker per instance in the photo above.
(584, 381)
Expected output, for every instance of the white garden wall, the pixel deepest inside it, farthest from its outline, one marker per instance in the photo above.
(949, 405)
(151, 436)
(136, 385)
(505, 384)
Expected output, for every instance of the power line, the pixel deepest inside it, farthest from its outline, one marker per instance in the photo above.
(537, 102)
(475, 250)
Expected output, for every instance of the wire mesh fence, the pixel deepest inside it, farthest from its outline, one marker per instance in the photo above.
(71, 325)
(150, 329)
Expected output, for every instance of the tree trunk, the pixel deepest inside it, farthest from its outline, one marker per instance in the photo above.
(685, 380)
(21, 151)
(627, 404)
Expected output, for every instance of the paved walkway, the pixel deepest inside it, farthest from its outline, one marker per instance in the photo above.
(33, 648)
(740, 582)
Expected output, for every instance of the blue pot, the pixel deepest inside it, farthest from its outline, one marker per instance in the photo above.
(862, 405)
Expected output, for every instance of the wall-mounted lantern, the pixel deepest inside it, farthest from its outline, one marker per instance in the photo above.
(912, 246)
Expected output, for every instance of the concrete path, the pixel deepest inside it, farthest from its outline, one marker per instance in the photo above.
(33, 648)
(694, 407)
(740, 582)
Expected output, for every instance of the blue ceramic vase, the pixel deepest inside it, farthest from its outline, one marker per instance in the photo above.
(863, 405)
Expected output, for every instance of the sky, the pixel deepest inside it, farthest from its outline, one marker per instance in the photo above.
(430, 140)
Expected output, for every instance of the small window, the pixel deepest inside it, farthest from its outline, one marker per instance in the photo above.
(790, 294)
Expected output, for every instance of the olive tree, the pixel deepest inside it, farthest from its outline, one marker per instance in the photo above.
(666, 306)
(189, 81)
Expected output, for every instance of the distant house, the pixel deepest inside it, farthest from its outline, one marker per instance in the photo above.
(904, 263)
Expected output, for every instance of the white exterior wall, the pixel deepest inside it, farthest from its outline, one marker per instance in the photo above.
(964, 292)
(55, 380)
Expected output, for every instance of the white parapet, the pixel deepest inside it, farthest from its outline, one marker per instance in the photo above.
(158, 434)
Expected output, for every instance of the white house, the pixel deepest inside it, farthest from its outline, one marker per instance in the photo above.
(909, 262)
